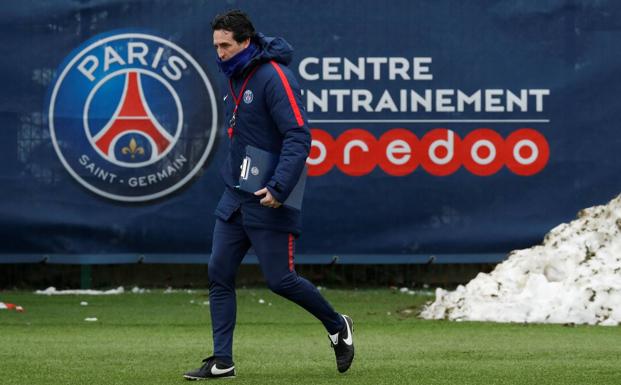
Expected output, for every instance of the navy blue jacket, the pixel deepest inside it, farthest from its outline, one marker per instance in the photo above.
(271, 117)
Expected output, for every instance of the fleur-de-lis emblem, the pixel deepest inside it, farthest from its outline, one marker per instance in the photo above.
(133, 149)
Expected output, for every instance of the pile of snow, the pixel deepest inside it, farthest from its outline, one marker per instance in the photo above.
(52, 291)
(573, 277)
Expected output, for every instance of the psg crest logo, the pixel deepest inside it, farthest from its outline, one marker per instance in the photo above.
(248, 96)
(132, 116)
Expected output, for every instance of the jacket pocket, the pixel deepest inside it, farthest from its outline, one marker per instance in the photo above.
(227, 205)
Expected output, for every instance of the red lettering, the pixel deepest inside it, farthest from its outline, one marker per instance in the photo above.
(441, 152)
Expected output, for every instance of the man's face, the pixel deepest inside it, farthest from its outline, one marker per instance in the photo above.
(226, 46)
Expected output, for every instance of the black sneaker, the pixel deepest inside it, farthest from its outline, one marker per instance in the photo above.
(344, 345)
(212, 368)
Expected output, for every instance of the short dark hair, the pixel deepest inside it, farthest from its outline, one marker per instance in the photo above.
(237, 22)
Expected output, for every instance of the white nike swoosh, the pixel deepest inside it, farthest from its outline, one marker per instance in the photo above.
(216, 372)
(225, 96)
(349, 340)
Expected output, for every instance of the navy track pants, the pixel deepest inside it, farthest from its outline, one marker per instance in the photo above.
(274, 249)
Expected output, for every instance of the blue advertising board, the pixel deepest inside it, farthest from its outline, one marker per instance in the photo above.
(443, 131)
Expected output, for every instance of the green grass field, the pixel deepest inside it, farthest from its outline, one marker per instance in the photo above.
(153, 338)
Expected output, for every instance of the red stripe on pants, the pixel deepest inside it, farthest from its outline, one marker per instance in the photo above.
(290, 252)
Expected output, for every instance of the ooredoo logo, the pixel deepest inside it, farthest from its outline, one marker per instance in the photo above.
(440, 152)
(132, 116)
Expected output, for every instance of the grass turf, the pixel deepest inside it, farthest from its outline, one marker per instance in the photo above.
(153, 338)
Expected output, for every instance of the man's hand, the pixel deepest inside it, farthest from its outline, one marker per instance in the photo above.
(268, 200)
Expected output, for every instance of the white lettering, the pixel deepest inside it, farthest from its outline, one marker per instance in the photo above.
(539, 94)
(330, 70)
(312, 99)
(174, 62)
(361, 98)
(534, 152)
(137, 50)
(340, 94)
(302, 68)
(521, 101)
(398, 146)
(448, 144)
(323, 152)
(493, 103)
(348, 147)
(426, 102)
(463, 99)
(443, 101)
(111, 57)
(377, 66)
(386, 102)
(398, 66)
(422, 72)
(88, 72)
(349, 67)
(474, 152)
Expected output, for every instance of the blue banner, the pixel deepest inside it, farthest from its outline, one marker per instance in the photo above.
(443, 131)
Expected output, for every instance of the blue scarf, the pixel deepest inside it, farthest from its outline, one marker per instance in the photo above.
(234, 65)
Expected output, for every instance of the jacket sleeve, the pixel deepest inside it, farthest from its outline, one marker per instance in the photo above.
(285, 106)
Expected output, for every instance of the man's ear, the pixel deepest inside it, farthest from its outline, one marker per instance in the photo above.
(245, 43)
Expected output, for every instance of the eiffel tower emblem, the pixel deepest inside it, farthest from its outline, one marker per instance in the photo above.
(133, 115)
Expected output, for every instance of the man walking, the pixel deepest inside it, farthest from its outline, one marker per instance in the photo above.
(263, 110)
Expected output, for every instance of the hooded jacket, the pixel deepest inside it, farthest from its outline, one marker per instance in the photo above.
(271, 117)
